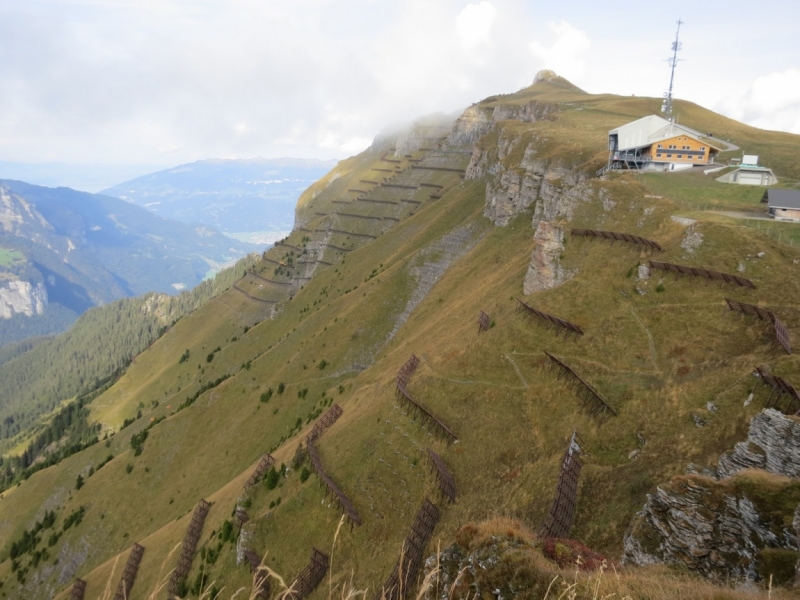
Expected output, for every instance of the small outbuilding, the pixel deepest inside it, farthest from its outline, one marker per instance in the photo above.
(783, 205)
(749, 172)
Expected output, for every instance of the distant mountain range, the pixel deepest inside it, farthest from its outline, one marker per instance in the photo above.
(85, 178)
(234, 196)
(63, 251)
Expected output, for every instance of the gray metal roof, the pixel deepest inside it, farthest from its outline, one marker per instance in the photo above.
(783, 198)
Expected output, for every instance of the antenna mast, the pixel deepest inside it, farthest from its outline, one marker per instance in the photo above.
(666, 108)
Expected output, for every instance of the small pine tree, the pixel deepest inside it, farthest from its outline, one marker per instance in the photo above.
(271, 480)
(79, 482)
(304, 475)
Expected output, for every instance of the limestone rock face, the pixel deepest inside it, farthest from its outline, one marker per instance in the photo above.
(773, 444)
(527, 113)
(22, 298)
(711, 527)
(545, 271)
(561, 191)
(470, 126)
(721, 528)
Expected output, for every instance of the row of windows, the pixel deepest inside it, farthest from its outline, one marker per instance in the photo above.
(688, 156)
(674, 147)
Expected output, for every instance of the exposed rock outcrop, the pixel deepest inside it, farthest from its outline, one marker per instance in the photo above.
(773, 444)
(432, 262)
(545, 271)
(527, 113)
(692, 240)
(471, 126)
(22, 298)
(734, 527)
(718, 528)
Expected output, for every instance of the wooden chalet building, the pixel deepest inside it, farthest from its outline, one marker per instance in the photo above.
(654, 143)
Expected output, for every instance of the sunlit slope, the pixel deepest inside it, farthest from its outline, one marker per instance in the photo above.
(416, 286)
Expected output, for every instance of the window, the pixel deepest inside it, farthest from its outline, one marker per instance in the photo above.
(658, 155)
(703, 148)
(660, 146)
(680, 155)
(669, 155)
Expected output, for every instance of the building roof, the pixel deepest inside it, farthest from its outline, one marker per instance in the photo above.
(649, 130)
(782, 198)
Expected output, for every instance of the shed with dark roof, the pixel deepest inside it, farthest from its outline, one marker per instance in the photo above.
(783, 205)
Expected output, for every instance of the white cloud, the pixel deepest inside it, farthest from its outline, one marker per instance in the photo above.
(770, 102)
(474, 23)
(170, 81)
(566, 55)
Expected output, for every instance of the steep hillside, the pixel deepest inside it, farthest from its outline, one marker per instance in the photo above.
(394, 253)
(63, 251)
(42, 375)
(256, 195)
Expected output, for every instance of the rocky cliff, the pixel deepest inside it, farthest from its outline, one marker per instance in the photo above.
(22, 298)
(518, 179)
(743, 525)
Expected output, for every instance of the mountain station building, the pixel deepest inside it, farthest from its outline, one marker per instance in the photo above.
(783, 205)
(653, 143)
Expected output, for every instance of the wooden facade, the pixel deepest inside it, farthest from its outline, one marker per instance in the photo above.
(682, 149)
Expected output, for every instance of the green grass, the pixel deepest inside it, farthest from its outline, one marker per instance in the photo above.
(657, 358)
(9, 257)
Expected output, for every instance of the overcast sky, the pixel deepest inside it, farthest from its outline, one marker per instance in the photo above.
(163, 82)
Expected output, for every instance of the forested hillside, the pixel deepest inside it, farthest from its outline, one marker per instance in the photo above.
(64, 251)
(101, 342)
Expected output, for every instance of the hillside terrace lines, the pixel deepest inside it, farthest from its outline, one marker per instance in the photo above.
(261, 585)
(78, 590)
(321, 425)
(384, 205)
(781, 332)
(562, 512)
(780, 387)
(447, 484)
(559, 324)
(614, 236)
(310, 577)
(129, 574)
(404, 575)
(189, 546)
(264, 464)
(591, 397)
(704, 273)
(403, 394)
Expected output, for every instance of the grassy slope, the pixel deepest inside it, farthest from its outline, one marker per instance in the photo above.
(657, 358)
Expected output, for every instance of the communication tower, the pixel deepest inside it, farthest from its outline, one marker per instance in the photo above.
(666, 108)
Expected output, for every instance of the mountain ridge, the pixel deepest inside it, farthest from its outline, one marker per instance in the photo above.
(78, 250)
(372, 243)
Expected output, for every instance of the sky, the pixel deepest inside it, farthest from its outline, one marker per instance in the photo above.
(165, 82)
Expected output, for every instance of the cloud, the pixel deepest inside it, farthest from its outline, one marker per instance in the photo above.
(474, 23)
(566, 55)
(180, 80)
(169, 81)
(770, 102)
